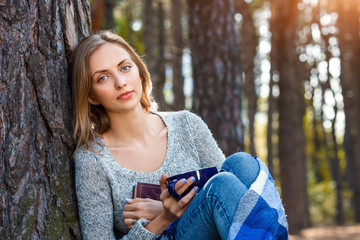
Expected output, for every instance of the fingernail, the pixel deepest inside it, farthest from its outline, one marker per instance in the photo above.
(183, 180)
(128, 200)
(192, 179)
(196, 189)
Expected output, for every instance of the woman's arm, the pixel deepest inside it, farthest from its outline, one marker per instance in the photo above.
(94, 199)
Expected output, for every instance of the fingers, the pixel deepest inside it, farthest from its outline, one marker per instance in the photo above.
(178, 207)
(182, 185)
(187, 199)
(142, 208)
(162, 182)
(130, 222)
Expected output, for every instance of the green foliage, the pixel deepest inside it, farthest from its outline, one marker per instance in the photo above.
(257, 4)
(321, 187)
(322, 200)
(123, 27)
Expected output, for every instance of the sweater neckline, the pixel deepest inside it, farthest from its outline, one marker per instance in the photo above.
(130, 171)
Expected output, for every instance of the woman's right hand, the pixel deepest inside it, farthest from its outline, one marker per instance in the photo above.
(174, 208)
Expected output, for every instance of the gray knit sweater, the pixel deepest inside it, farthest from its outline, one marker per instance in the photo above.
(102, 185)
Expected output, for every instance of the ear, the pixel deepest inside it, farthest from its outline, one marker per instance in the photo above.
(93, 101)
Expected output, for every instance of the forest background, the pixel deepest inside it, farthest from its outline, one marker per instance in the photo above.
(276, 78)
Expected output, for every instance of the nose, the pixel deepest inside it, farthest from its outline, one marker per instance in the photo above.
(119, 81)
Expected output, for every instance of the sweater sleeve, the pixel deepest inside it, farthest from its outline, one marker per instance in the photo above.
(95, 203)
(209, 152)
(94, 198)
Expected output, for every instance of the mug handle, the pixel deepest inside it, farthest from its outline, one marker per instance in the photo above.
(171, 188)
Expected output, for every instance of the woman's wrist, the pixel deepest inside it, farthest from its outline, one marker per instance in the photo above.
(159, 224)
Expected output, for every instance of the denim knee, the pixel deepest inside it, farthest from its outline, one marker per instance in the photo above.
(244, 166)
(223, 184)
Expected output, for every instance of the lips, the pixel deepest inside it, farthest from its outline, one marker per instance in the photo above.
(125, 95)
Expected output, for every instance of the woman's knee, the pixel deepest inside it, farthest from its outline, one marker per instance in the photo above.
(225, 184)
(244, 166)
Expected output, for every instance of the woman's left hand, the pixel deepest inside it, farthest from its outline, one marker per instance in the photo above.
(141, 208)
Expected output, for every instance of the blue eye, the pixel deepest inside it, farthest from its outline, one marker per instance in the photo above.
(126, 68)
(102, 78)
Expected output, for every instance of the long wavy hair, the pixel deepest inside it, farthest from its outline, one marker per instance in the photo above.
(90, 121)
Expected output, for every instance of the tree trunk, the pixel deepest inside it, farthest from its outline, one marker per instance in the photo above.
(176, 53)
(159, 82)
(215, 52)
(97, 14)
(248, 53)
(348, 25)
(151, 52)
(36, 188)
(109, 14)
(291, 112)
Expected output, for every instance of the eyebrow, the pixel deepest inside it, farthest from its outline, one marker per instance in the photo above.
(101, 71)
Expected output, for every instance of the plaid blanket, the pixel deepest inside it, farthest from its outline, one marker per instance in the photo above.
(260, 213)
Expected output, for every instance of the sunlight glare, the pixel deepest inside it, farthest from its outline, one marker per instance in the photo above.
(329, 98)
(335, 66)
(333, 41)
(327, 125)
(265, 65)
(335, 85)
(264, 91)
(311, 2)
(264, 47)
(315, 32)
(314, 81)
(340, 123)
(136, 26)
(326, 19)
(329, 112)
(238, 17)
(276, 91)
(264, 30)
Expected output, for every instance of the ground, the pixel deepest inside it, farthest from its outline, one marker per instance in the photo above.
(329, 233)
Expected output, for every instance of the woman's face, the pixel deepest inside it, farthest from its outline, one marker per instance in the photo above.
(116, 83)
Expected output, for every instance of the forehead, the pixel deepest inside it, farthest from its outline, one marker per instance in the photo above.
(106, 56)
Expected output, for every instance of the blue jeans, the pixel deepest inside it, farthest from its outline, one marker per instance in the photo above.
(210, 214)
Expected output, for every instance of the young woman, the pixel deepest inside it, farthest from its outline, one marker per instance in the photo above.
(122, 140)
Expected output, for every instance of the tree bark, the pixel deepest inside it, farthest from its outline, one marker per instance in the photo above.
(348, 25)
(215, 52)
(36, 188)
(176, 54)
(291, 112)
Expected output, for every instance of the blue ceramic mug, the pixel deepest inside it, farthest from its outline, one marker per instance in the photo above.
(201, 177)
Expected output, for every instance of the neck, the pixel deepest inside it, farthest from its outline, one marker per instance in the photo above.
(128, 127)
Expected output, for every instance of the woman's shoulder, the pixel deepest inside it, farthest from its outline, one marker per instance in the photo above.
(183, 115)
(88, 153)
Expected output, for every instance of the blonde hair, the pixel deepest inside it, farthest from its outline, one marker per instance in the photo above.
(90, 121)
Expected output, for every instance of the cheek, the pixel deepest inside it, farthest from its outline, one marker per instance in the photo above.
(97, 92)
